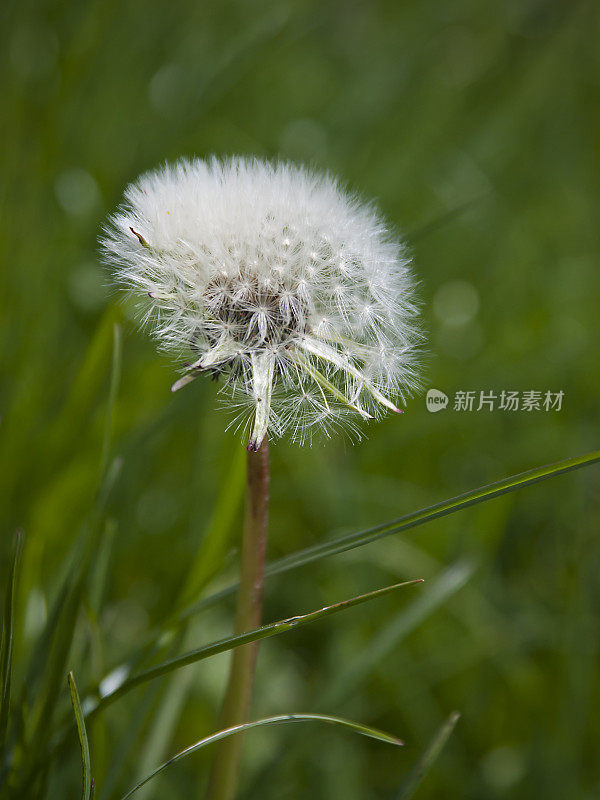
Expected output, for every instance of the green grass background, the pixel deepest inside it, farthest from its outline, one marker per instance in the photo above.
(475, 125)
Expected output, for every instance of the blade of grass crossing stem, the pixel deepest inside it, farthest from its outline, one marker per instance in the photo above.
(357, 727)
(115, 377)
(221, 646)
(6, 648)
(351, 541)
(429, 756)
(345, 681)
(83, 739)
(434, 595)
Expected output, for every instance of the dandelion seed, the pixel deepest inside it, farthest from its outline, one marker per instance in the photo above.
(286, 287)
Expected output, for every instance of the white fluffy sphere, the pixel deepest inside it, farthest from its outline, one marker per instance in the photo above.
(278, 281)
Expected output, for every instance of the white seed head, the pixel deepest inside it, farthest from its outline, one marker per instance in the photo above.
(279, 282)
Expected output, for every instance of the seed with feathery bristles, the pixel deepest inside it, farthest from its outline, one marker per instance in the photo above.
(277, 280)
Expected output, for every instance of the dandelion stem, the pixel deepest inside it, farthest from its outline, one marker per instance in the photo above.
(238, 696)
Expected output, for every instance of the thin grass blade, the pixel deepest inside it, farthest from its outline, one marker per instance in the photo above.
(480, 495)
(216, 538)
(42, 713)
(429, 756)
(115, 378)
(436, 594)
(83, 739)
(357, 727)
(222, 645)
(126, 743)
(6, 648)
(348, 676)
(164, 724)
(351, 541)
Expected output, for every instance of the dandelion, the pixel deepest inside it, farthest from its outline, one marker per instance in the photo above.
(282, 285)
(298, 298)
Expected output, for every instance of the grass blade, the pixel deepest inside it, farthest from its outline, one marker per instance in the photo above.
(216, 538)
(164, 724)
(115, 377)
(347, 676)
(125, 744)
(357, 727)
(83, 739)
(437, 594)
(430, 754)
(484, 493)
(60, 643)
(6, 648)
(222, 645)
(349, 542)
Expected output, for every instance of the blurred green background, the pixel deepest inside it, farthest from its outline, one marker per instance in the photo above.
(475, 125)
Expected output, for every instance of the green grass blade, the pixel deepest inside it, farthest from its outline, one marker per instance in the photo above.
(347, 677)
(6, 648)
(74, 574)
(480, 495)
(430, 754)
(436, 594)
(357, 727)
(48, 662)
(83, 739)
(54, 668)
(443, 219)
(164, 724)
(213, 547)
(222, 645)
(126, 743)
(353, 540)
(100, 566)
(115, 377)
(86, 387)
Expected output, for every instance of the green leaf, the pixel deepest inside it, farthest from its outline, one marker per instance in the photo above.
(83, 739)
(6, 648)
(222, 645)
(344, 543)
(364, 730)
(430, 754)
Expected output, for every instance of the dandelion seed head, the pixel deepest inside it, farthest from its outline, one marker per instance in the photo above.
(278, 281)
